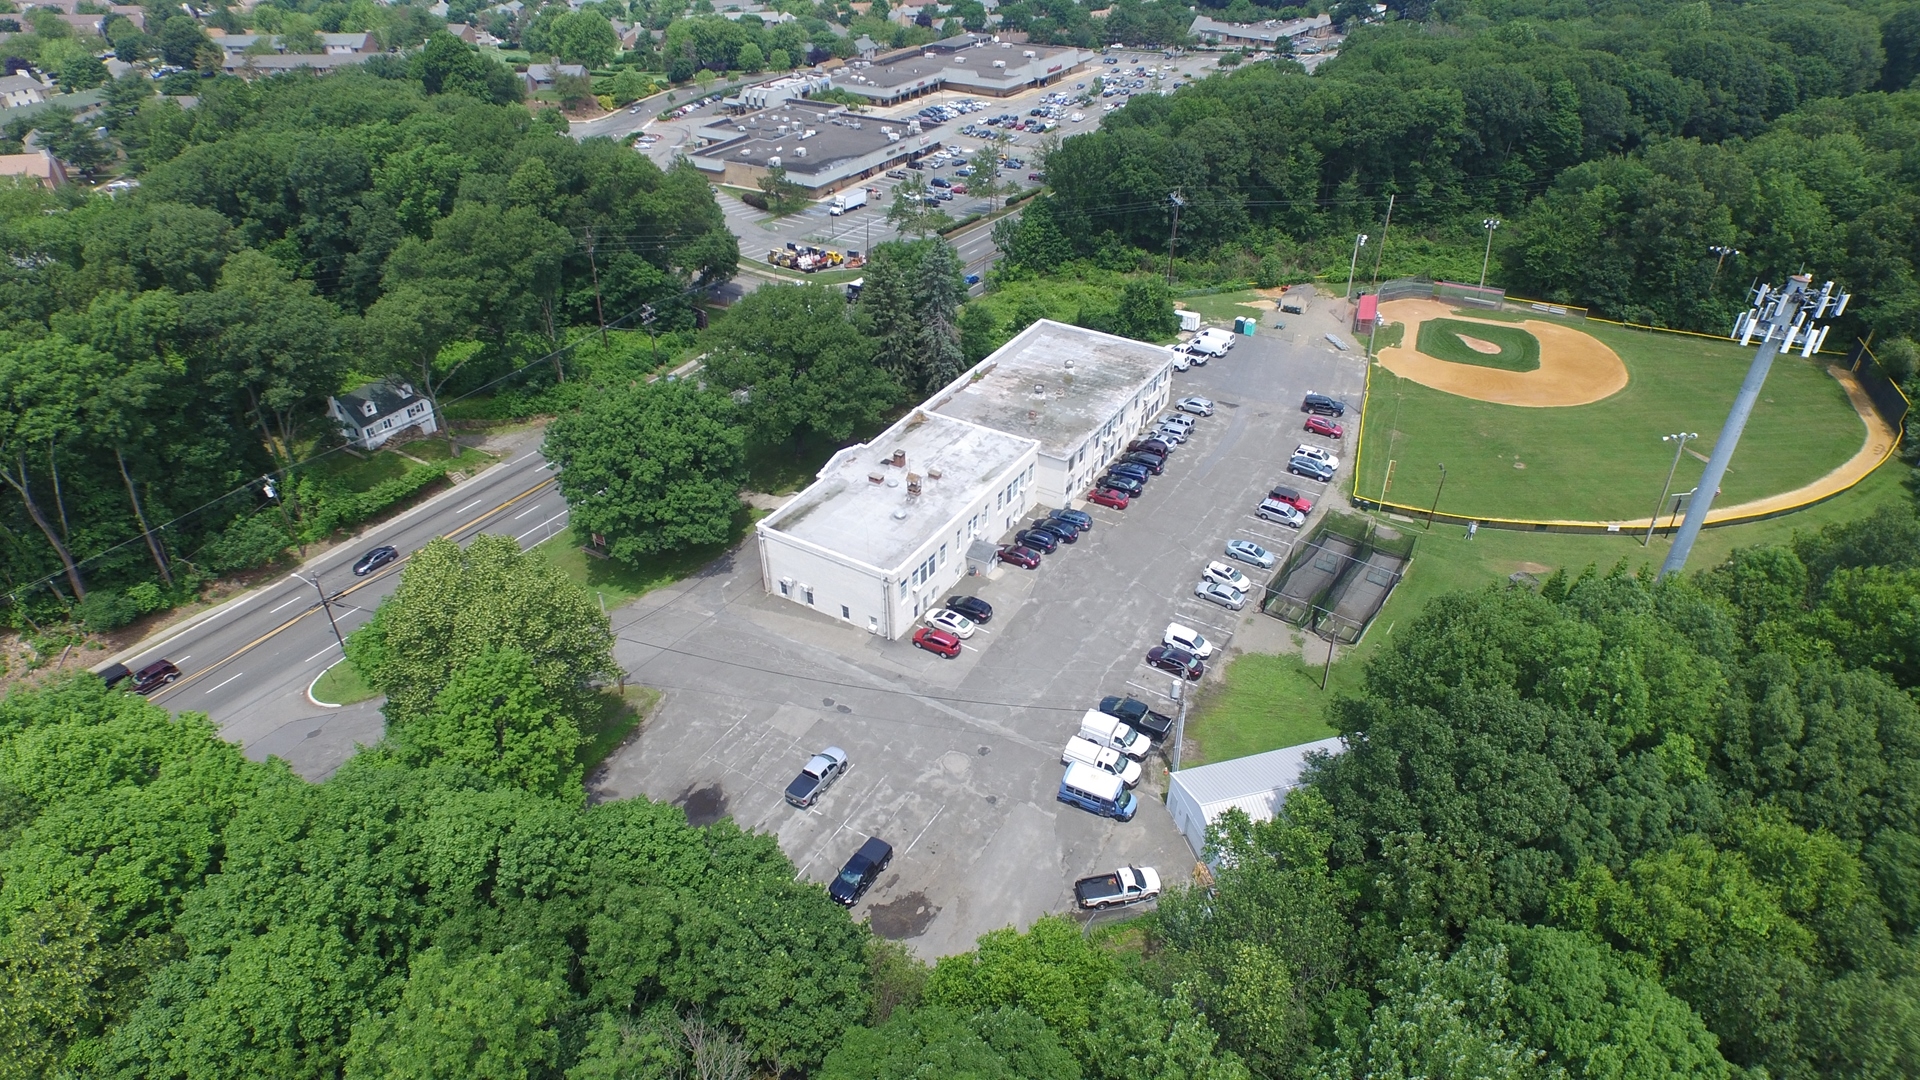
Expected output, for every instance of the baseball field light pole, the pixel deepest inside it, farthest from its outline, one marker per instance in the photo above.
(1721, 252)
(1488, 224)
(1679, 438)
(1783, 318)
(1359, 241)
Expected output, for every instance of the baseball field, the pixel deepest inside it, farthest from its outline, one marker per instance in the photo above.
(1538, 419)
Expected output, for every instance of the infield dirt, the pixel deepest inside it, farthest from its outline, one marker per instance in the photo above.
(1575, 369)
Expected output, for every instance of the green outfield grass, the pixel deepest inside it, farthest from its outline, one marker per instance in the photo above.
(1519, 350)
(1605, 461)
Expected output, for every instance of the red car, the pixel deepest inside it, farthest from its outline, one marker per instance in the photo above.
(936, 641)
(1024, 558)
(1320, 425)
(1292, 498)
(1111, 499)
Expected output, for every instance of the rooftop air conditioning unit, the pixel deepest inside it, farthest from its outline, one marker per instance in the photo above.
(799, 151)
(773, 163)
(1000, 64)
(1028, 54)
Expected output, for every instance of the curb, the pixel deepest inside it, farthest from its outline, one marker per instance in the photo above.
(316, 682)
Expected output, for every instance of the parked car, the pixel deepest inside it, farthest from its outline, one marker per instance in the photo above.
(1126, 485)
(861, 872)
(1291, 498)
(1039, 540)
(1079, 520)
(1318, 453)
(1198, 406)
(1311, 468)
(1186, 637)
(974, 608)
(1172, 435)
(816, 776)
(1127, 885)
(964, 170)
(951, 621)
(1276, 511)
(1249, 552)
(897, 174)
(959, 189)
(1064, 531)
(1176, 662)
(1024, 558)
(1322, 404)
(1151, 445)
(940, 181)
(1137, 716)
(375, 559)
(1320, 425)
(1227, 597)
(1107, 497)
(1227, 575)
(936, 641)
(1177, 420)
(1153, 463)
(115, 674)
(1130, 468)
(154, 676)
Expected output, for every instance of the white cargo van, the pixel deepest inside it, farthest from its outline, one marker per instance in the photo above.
(1103, 730)
(1100, 757)
(1212, 341)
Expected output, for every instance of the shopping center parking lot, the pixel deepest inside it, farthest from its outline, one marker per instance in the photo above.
(956, 762)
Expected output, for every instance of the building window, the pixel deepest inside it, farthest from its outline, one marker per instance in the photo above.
(943, 554)
(807, 591)
(786, 587)
(845, 612)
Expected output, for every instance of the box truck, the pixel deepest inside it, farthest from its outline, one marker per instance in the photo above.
(850, 199)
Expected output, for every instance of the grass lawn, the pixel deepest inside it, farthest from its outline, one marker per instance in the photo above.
(1605, 460)
(361, 473)
(1441, 339)
(1222, 308)
(615, 718)
(1266, 702)
(614, 583)
(435, 449)
(341, 684)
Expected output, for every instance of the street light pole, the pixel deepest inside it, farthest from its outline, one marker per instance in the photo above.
(1436, 495)
(1488, 224)
(325, 605)
(1174, 240)
(1679, 439)
(1359, 242)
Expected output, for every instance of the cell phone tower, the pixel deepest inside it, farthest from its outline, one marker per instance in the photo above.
(1786, 318)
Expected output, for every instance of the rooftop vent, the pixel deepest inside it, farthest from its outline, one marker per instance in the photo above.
(1040, 390)
(1069, 363)
(933, 474)
(900, 514)
(899, 459)
(877, 477)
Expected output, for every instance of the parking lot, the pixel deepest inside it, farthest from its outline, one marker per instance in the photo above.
(956, 762)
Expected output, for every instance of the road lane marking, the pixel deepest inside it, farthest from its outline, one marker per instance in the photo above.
(184, 659)
(332, 645)
(540, 526)
(523, 457)
(531, 509)
(297, 598)
(469, 506)
(230, 678)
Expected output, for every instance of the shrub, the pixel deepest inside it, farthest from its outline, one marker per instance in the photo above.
(104, 610)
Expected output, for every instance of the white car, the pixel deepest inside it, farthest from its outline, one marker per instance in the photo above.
(1230, 598)
(1186, 637)
(1317, 453)
(1228, 576)
(1249, 552)
(952, 622)
(1198, 406)
(1172, 435)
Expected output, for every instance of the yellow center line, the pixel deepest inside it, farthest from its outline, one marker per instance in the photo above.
(465, 530)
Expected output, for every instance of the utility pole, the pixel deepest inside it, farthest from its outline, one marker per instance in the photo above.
(1359, 241)
(1174, 239)
(1179, 725)
(646, 319)
(599, 312)
(1489, 224)
(1782, 319)
(326, 604)
(1380, 252)
(1436, 494)
(1679, 438)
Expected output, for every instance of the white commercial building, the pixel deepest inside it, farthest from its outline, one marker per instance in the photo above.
(1082, 395)
(883, 533)
(1257, 784)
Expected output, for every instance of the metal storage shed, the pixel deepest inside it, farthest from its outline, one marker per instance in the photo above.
(1257, 784)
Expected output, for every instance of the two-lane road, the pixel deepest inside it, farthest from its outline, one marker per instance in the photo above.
(250, 663)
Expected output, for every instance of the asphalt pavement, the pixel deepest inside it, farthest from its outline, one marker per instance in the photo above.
(249, 663)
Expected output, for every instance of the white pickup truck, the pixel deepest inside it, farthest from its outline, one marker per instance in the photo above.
(1127, 885)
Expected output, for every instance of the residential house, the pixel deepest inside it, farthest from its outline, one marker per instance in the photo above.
(39, 166)
(18, 90)
(540, 76)
(378, 411)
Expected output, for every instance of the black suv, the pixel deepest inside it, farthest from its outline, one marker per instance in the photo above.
(860, 872)
(1062, 531)
(1125, 485)
(972, 607)
(1044, 542)
(1324, 405)
(1134, 712)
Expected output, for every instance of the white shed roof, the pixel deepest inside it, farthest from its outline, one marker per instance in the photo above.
(1257, 784)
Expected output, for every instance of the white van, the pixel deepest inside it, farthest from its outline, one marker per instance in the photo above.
(1103, 730)
(1212, 341)
(1186, 637)
(1103, 758)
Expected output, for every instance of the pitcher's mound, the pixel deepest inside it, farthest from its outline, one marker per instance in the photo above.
(1574, 368)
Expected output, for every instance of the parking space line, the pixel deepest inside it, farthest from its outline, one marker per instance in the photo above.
(923, 831)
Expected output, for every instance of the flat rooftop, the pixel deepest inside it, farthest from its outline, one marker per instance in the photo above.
(1053, 383)
(835, 137)
(882, 524)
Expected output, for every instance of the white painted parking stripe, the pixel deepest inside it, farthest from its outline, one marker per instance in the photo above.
(923, 831)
